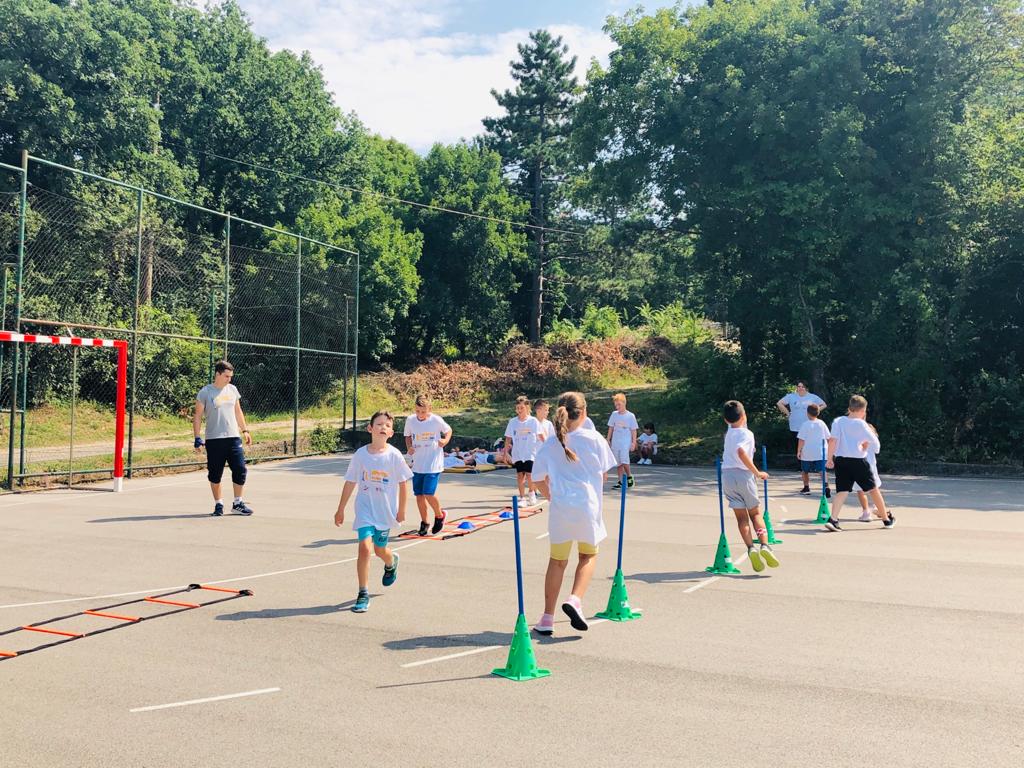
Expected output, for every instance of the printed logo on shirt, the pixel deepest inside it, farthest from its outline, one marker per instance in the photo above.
(378, 477)
(224, 398)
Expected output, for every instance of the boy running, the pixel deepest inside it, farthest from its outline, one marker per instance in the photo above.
(738, 473)
(380, 472)
(809, 441)
(622, 429)
(426, 435)
(570, 471)
(522, 436)
(847, 452)
(221, 404)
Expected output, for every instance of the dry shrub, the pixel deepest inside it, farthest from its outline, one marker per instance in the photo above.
(586, 363)
(529, 364)
(447, 383)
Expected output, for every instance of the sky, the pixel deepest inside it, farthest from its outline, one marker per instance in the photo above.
(421, 71)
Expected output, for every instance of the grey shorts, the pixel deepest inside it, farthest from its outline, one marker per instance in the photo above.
(740, 489)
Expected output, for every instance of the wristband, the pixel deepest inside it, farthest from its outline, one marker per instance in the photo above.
(199, 442)
(245, 431)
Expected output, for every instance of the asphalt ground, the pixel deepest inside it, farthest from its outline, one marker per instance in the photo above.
(868, 647)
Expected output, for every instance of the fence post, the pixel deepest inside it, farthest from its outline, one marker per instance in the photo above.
(135, 325)
(23, 212)
(344, 380)
(355, 360)
(298, 345)
(227, 279)
(213, 329)
(3, 318)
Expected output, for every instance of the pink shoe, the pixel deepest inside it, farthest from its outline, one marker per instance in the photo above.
(574, 610)
(546, 625)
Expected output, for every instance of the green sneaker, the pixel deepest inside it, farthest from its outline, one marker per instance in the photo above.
(390, 574)
(362, 603)
(629, 481)
(755, 559)
(768, 555)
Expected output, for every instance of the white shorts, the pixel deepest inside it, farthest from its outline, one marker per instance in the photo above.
(621, 453)
(740, 489)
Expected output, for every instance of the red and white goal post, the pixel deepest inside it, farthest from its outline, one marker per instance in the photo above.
(122, 383)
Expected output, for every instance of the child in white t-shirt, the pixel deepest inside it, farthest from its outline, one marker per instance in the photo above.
(570, 471)
(810, 441)
(382, 477)
(848, 450)
(647, 441)
(540, 412)
(873, 450)
(739, 488)
(622, 429)
(426, 435)
(522, 436)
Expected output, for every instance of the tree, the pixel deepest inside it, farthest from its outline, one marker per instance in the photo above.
(532, 138)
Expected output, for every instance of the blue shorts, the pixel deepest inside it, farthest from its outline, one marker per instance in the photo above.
(811, 466)
(425, 483)
(380, 538)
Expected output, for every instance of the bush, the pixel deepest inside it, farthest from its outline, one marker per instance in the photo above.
(323, 439)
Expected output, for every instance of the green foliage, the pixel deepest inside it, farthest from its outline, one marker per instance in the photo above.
(324, 439)
(676, 323)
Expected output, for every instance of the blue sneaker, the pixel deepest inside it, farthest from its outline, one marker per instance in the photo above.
(362, 602)
(218, 509)
(241, 508)
(390, 574)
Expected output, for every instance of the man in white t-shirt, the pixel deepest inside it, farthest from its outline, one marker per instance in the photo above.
(848, 448)
(794, 406)
(426, 435)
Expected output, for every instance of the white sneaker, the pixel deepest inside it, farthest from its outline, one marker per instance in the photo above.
(532, 499)
(865, 516)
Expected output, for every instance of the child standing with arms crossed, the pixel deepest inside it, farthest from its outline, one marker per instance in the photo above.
(382, 476)
(570, 471)
(426, 435)
(738, 473)
(622, 429)
(521, 438)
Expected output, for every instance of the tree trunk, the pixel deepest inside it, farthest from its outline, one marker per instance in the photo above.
(537, 295)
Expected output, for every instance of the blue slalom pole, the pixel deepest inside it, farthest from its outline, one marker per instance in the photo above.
(824, 462)
(764, 468)
(622, 525)
(519, 557)
(721, 499)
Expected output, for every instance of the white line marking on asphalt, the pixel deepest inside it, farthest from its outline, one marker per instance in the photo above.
(543, 535)
(211, 583)
(452, 656)
(705, 582)
(205, 701)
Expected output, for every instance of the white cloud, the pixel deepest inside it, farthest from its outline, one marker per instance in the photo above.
(394, 66)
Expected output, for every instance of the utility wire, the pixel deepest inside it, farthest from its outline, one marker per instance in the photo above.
(382, 195)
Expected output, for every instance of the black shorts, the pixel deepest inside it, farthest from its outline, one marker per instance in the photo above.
(850, 470)
(524, 466)
(229, 450)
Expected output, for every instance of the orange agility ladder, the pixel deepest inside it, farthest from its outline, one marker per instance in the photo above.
(462, 526)
(103, 612)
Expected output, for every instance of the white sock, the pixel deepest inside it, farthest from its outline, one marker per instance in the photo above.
(238, 499)
(219, 501)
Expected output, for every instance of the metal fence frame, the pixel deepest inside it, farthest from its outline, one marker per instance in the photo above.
(135, 332)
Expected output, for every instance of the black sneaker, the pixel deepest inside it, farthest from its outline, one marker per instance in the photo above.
(241, 508)
(390, 574)
(891, 522)
(828, 492)
(832, 525)
(805, 491)
(218, 509)
(630, 482)
(438, 523)
(424, 529)
(617, 486)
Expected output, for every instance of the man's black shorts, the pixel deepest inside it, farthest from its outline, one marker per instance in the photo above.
(524, 466)
(221, 450)
(850, 470)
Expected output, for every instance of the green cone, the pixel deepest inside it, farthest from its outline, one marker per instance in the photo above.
(771, 529)
(618, 602)
(521, 664)
(824, 513)
(723, 558)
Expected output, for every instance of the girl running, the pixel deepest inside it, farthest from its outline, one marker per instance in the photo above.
(570, 471)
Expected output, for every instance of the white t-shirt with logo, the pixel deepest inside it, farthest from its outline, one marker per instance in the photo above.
(428, 456)
(547, 428)
(737, 437)
(622, 425)
(577, 487)
(813, 433)
(798, 408)
(849, 434)
(377, 476)
(524, 437)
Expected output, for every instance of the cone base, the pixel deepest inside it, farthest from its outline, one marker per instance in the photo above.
(773, 540)
(521, 677)
(722, 569)
(628, 615)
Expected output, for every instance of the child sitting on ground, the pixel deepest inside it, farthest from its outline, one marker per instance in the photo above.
(647, 441)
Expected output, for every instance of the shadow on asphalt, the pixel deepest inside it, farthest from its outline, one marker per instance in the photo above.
(328, 543)
(286, 613)
(154, 518)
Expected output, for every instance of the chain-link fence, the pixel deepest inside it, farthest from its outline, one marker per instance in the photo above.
(184, 286)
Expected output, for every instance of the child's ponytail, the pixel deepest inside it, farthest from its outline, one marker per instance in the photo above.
(571, 406)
